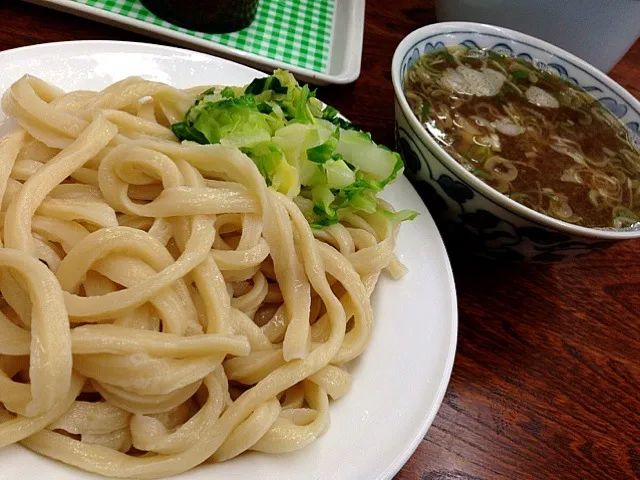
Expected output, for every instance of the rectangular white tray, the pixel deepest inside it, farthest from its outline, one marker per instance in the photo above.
(344, 56)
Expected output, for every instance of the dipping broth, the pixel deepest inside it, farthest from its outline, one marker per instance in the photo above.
(529, 134)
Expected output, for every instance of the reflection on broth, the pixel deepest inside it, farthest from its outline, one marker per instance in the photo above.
(529, 134)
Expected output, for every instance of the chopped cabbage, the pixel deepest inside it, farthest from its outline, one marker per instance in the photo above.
(301, 147)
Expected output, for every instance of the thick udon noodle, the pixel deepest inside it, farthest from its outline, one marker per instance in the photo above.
(161, 307)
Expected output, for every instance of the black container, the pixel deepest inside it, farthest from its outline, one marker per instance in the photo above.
(213, 16)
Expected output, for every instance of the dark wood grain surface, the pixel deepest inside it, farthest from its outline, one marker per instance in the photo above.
(546, 383)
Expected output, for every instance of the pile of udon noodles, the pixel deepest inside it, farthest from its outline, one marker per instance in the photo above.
(161, 307)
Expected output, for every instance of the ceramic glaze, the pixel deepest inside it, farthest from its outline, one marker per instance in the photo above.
(469, 212)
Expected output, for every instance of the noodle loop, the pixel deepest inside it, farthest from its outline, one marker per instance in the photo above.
(158, 296)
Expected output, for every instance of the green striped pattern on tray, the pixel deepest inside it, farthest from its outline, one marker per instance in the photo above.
(295, 32)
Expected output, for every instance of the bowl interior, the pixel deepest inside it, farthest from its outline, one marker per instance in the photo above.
(543, 55)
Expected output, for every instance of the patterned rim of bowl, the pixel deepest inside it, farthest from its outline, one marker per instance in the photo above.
(626, 100)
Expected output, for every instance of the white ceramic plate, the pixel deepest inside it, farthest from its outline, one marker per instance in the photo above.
(400, 379)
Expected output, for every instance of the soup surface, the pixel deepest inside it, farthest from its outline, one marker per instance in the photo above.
(529, 134)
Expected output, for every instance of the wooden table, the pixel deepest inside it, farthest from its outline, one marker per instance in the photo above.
(546, 382)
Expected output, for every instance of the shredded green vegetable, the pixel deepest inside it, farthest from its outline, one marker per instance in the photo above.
(517, 74)
(300, 146)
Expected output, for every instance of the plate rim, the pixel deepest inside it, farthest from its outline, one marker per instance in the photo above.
(443, 386)
(451, 349)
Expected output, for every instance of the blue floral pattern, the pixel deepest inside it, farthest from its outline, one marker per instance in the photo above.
(469, 218)
(458, 191)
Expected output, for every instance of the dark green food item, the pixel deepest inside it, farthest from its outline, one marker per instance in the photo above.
(213, 16)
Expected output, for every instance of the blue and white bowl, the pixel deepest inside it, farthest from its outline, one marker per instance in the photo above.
(469, 211)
